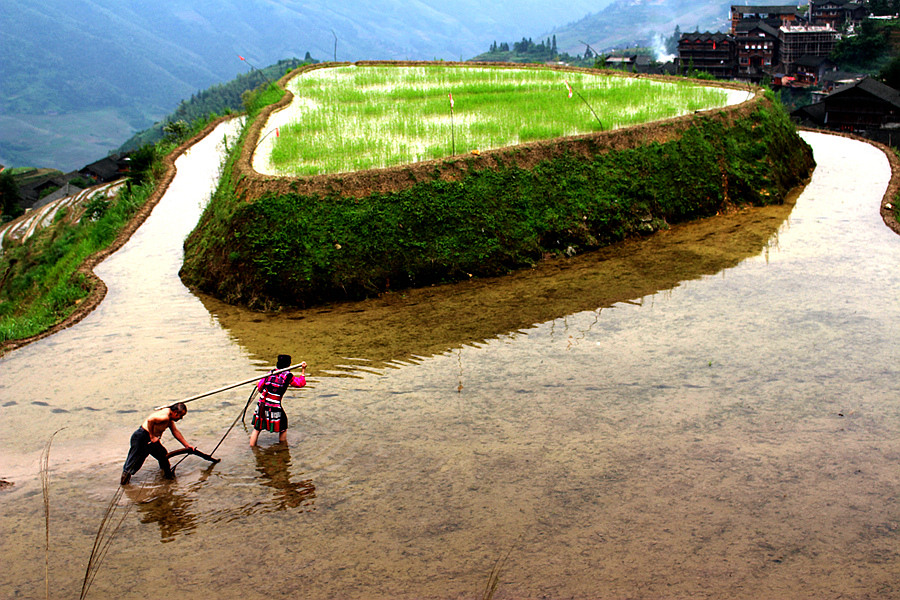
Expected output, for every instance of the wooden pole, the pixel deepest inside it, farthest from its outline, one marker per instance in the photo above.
(591, 108)
(227, 387)
(452, 131)
(452, 135)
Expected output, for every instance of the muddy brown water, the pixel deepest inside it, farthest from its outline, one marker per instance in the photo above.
(707, 413)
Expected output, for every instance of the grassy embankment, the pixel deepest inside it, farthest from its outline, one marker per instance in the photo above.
(266, 242)
(43, 280)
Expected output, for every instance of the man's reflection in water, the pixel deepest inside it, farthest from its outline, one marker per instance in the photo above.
(173, 507)
(163, 503)
(274, 465)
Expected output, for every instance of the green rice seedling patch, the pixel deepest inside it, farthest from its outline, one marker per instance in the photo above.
(357, 117)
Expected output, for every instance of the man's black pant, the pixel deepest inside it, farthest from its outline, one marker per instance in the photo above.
(141, 447)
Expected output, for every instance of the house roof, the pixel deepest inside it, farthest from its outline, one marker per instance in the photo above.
(705, 36)
(668, 68)
(811, 112)
(808, 60)
(64, 192)
(105, 169)
(759, 10)
(746, 28)
(32, 189)
(835, 76)
(841, 3)
(873, 87)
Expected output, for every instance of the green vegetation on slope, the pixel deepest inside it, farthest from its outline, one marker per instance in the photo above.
(40, 279)
(301, 250)
(871, 47)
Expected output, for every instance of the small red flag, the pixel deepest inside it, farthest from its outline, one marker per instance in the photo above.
(450, 95)
(240, 57)
(569, 87)
(276, 133)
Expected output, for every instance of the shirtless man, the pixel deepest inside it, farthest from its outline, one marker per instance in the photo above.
(145, 441)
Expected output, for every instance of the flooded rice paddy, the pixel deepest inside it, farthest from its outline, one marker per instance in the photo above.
(712, 412)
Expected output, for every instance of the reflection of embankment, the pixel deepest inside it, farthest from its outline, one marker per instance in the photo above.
(399, 326)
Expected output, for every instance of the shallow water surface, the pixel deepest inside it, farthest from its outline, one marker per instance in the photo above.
(710, 412)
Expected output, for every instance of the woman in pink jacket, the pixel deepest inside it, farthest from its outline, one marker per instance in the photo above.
(269, 414)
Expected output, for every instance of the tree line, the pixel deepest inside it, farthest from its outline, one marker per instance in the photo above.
(528, 51)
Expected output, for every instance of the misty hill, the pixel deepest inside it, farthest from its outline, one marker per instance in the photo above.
(628, 22)
(80, 77)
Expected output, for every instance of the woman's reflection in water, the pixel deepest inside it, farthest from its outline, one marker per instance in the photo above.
(274, 465)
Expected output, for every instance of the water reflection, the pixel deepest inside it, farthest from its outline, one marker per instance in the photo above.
(274, 466)
(168, 505)
(401, 326)
(176, 507)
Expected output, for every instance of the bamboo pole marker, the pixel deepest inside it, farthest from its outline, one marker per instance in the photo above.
(227, 387)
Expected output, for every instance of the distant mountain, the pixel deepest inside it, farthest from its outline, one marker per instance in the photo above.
(626, 23)
(79, 77)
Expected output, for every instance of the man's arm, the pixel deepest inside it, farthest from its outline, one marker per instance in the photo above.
(178, 436)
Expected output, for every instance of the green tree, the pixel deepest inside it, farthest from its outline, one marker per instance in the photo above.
(177, 130)
(869, 44)
(142, 163)
(672, 42)
(884, 7)
(890, 74)
(10, 197)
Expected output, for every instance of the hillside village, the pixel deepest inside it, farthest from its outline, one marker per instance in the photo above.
(780, 43)
(791, 48)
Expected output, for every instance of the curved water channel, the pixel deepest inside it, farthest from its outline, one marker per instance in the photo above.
(709, 412)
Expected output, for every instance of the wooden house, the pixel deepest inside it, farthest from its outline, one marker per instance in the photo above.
(811, 70)
(836, 13)
(771, 15)
(867, 107)
(105, 170)
(804, 41)
(713, 53)
(757, 50)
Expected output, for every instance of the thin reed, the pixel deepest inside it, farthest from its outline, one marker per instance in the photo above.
(361, 117)
(490, 587)
(105, 535)
(45, 488)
